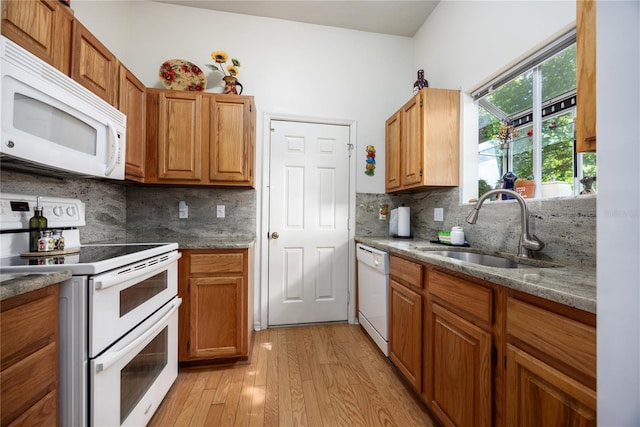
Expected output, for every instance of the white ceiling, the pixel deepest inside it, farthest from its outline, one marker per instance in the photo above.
(397, 17)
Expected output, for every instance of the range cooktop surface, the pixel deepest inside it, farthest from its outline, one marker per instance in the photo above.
(92, 259)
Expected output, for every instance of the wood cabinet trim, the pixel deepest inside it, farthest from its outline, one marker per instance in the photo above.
(406, 272)
(474, 300)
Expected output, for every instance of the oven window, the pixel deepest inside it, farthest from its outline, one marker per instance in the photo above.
(140, 373)
(142, 292)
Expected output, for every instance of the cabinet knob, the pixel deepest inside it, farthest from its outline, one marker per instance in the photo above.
(275, 235)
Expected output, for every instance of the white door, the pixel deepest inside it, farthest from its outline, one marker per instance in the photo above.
(308, 223)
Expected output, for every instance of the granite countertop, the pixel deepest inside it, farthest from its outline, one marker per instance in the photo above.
(14, 284)
(572, 286)
(217, 243)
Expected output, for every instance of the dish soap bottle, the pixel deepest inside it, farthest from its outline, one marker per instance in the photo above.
(37, 223)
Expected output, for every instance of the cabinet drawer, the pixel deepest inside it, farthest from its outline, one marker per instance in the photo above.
(28, 381)
(28, 327)
(407, 271)
(217, 263)
(557, 336)
(473, 299)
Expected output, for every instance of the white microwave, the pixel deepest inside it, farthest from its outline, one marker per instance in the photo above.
(51, 124)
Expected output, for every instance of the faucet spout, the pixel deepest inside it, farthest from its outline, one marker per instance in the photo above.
(528, 242)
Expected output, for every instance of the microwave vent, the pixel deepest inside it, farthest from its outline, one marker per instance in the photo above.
(30, 63)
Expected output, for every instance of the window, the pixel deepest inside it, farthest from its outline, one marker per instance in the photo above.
(526, 125)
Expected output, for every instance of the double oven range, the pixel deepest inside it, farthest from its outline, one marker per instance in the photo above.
(118, 314)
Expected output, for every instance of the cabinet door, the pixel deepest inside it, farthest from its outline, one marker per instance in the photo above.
(217, 317)
(392, 153)
(539, 395)
(42, 27)
(93, 65)
(412, 142)
(231, 145)
(132, 102)
(586, 75)
(459, 378)
(180, 130)
(405, 332)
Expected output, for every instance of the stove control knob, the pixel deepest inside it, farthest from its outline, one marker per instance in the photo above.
(57, 210)
(71, 211)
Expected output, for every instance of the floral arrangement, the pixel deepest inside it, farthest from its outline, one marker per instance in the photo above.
(506, 131)
(221, 57)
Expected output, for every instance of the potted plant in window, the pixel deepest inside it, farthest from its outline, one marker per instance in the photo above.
(526, 187)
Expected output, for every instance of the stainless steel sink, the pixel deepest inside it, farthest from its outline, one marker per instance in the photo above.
(492, 260)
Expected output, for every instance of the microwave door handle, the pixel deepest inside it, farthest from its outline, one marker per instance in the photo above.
(109, 359)
(113, 158)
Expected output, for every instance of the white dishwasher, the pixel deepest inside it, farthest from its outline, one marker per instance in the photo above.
(373, 294)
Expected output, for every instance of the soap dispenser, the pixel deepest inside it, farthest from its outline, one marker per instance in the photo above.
(37, 223)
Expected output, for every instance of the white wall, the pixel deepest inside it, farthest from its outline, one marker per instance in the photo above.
(290, 68)
(618, 113)
(107, 20)
(465, 43)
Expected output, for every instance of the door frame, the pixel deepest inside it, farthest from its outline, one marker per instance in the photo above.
(261, 239)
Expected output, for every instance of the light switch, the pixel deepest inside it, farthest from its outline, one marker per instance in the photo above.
(220, 211)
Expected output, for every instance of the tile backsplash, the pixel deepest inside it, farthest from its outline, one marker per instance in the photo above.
(567, 226)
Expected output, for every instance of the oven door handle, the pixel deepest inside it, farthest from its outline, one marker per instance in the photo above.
(116, 278)
(113, 357)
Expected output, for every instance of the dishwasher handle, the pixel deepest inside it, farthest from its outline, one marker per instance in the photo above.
(373, 258)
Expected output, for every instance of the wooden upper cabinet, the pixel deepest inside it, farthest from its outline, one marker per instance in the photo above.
(423, 141)
(93, 65)
(200, 138)
(586, 75)
(180, 130)
(232, 140)
(42, 27)
(392, 153)
(132, 101)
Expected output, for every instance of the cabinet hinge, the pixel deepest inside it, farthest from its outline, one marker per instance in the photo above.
(421, 172)
(189, 286)
(494, 356)
(188, 345)
(505, 362)
(421, 102)
(250, 107)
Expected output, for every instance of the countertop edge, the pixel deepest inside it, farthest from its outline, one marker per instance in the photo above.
(17, 284)
(565, 285)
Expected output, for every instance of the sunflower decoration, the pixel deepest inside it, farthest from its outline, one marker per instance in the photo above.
(221, 57)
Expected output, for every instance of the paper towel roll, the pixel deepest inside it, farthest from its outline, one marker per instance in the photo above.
(393, 222)
(404, 222)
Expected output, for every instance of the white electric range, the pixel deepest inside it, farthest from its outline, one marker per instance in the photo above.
(118, 314)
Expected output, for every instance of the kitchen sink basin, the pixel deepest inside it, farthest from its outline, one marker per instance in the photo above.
(492, 260)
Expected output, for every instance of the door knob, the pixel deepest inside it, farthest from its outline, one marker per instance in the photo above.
(275, 235)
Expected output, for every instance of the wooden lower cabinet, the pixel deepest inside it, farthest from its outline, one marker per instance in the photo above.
(214, 317)
(405, 332)
(458, 383)
(550, 365)
(405, 319)
(29, 358)
(482, 355)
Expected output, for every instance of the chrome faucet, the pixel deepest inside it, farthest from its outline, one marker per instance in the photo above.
(528, 242)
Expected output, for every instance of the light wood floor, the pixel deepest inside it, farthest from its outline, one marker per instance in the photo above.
(326, 375)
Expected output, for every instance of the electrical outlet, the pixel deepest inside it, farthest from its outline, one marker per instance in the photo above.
(438, 214)
(220, 211)
(183, 210)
